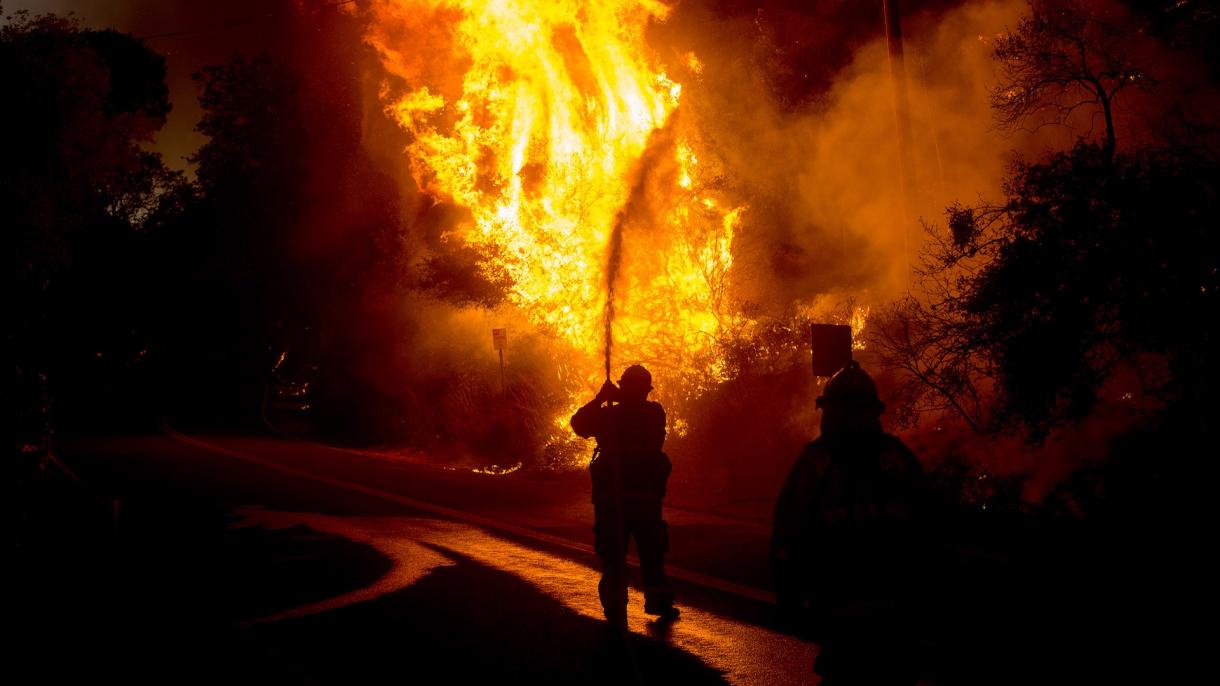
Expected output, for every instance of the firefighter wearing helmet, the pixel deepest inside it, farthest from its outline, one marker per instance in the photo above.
(843, 547)
(629, 473)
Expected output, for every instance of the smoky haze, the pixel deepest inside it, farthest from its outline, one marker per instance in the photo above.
(792, 107)
(801, 136)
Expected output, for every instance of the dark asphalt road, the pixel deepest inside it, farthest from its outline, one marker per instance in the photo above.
(260, 559)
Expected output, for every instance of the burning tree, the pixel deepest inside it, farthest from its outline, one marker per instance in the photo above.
(559, 135)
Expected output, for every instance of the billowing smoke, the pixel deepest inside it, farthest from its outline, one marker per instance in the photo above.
(823, 226)
(796, 214)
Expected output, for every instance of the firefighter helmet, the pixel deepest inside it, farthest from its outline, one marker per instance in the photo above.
(852, 388)
(636, 376)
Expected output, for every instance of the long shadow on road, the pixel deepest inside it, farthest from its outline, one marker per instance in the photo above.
(165, 601)
(466, 622)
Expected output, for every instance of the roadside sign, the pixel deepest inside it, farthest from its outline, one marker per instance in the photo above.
(499, 339)
(831, 348)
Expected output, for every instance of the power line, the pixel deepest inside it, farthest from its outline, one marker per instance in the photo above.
(201, 29)
(231, 24)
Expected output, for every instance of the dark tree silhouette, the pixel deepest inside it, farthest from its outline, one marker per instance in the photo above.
(1096, 266)
(1088, 282)
(80, 197)
(1064, 59)
(132, 282)
(296, 236)
(460, 275)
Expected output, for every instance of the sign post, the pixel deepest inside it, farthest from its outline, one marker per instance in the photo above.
(499, 339)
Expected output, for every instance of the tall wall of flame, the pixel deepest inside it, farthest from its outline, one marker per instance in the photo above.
(547, 120)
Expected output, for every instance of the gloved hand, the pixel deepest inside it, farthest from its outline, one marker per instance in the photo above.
(608, 392)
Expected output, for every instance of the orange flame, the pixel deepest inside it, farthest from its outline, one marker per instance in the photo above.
(539, 117)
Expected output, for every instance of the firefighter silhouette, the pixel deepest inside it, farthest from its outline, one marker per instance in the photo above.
(844, 546)
(629, 473)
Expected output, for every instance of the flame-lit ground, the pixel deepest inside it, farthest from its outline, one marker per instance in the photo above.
(417, 547)
(331, 575)
(285, 561)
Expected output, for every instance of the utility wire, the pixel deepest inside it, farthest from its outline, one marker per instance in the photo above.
(231, 24)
